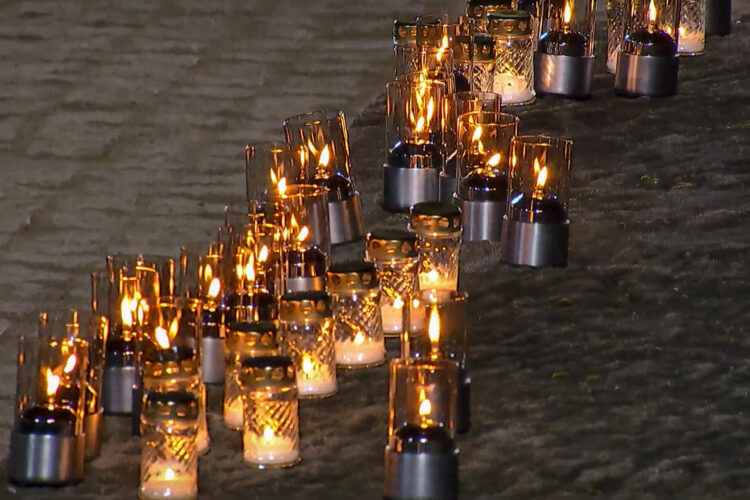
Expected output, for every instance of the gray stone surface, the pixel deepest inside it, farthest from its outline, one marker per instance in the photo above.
(625, 375)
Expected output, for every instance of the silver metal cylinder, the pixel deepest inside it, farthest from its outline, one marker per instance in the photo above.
(419, 476)
(213, 360)
(447, 187)
(654, 76)
(117, 391)
(567, 76)
(306, 284)
(93, 429)
(345, 218)
(482, 220)
(534, 244)
(403, 187)
(46, 459)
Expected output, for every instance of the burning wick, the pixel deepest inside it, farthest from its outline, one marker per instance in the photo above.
(162, 337)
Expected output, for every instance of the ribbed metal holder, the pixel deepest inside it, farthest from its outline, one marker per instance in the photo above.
(654, 76)
(93, 429)
(482, 220)
(534, 244)
(463, 403)
(306, 284)
(567, 76)
(403, 187)
(213, 360)
(117, 391)
(345, 218)
(46, 459)
(447, 186)
(718, 17)
(417, 476)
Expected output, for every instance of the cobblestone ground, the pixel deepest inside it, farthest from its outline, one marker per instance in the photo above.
(624, 375)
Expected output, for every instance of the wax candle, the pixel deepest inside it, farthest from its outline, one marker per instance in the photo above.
(166, 479)
(359, 351)
(233, 413)
(513, 89)
(690, 42)
(269, 448)
(315, 378)
(393, 316)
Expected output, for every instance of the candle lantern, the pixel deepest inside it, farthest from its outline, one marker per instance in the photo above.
(483, 151)
(514, 56)
(438, 229)
(718, 17)
(302, 212)
(47, 442)
(169, 459)
(457, 104)
(647, 62)
(421, 457)
(270, 435)
(459, 38)
(483, 79)
(404, 47)
(414, 141)
(357, 326)
(307, 333)
(692, 30)
(437, 330)
(535, 228)
(564, 60)
(479, 9)
(395, 254)
(263, 245)
(325, 136)
(268, 164)
(615, 26)
(172, 356)
(244, 340)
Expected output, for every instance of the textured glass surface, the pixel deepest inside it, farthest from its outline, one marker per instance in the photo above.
(692, 31)
(232, 400)
(358, 329)
(514, 70)
(484, 72)
(169, 460)
(438, 268)
(615, 13)
(398, 280)
(310, 344)
(271, 430)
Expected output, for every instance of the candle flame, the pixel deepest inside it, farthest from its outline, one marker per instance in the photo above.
(477, 134)
(169, 474)
(359, 338)
(494, 161)
(307, 364)
(125, 312)
(70, 364)
(325, 157)
(303, 233)
(425, 407)
(433, 276)
(567, 13)
(652, 12)
(430, 109)
(162, 337)
(433, 327)
(281, 186)
(442, 49)
(541, 179)
(263, 254)
(268, 433)
(53, 382)
(398, 303)
(419, 127)
(250, 270)
(214, 288)
(312, 147)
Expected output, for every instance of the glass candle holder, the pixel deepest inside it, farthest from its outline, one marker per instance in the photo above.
(564, 60)
(615, 26)
(357, 327)
(47, 442)
(479, 9)
(325, 136)
(239, 216)
(272, 165)
(514, 56)
(647, 62)
(535, 232)
(264, 245)
(169, 459)
(303, 212)
(692, 28)
(395, 254)
(459, 37)
(244, 340)
(404, 47)
(307, 332)
(270, 435)
(172, 356)
(438, 230)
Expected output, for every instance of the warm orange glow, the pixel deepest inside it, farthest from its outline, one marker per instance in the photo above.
(433, 276)
(425, 407)
(169, 474)
(442, 49)
(162, 337)
(174, 328)
(268, 433)
(398, 303)
(70, 364)
(567, 13)
(312, 147)
(125, 313)
(433, 327)
(430, 109)
(325, 157)
(307, 364)
(541, 179)
(303, 233)
(53, 382)
(250, 269)
(263, 254)
(652, 12)
(214, 288)
(494, 160)
(281, 186)
(419, 127)
(359, 338)
(477, 134)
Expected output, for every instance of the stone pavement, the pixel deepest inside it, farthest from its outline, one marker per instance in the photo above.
(624, 375)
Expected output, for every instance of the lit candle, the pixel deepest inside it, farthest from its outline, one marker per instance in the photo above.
(434, 280)
(690, 41)
(166, 479)
(513, 89)
(233, 415)
(315, 378)
(359, 351)
(269, 448)
(393, 316)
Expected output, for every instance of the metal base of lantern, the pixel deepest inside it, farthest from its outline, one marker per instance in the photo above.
(404, 187)
(213, 360)
(654, 76)
(306, 284)
(447, 187)
(718, 17)
(117, 390)
(463, 404)
(92, 428)
(46, 459)
(534, 244)
(567, 76)
(431, 476)
(345, 217)
(482, 220)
